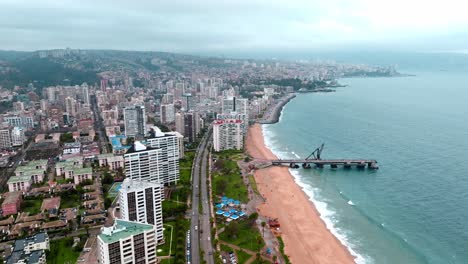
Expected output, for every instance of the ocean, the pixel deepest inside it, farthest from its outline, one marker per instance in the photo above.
(414, 209)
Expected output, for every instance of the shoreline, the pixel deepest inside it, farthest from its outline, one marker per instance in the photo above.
(275, 113)
(306, 236)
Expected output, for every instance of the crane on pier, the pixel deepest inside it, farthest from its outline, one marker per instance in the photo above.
(316, 153)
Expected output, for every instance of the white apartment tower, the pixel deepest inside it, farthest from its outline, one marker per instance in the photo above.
(141, 201)
(142, 163)
(169, 144)
(127, 242)
(228, 134)
(135, 121)
(157, 163)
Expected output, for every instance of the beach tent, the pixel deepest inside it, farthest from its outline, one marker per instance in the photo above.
(241, 213)
(224, 198)
(219, 212)
(234, 217)
(237, 202)
(221, 205)
(226, 214)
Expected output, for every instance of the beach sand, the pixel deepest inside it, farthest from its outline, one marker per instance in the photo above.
(307, 239)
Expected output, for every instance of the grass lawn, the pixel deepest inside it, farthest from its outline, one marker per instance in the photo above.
(31, 206)
(61, 252)
(227, 179)
(167, 238)
(247, 237)
(242, 256)
(185, 166)
(253, 183)
(167, 261)
(226, 248)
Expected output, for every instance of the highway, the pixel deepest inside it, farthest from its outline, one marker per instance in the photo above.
(200, 224)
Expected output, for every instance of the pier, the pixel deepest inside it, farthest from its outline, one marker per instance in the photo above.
(314, 160)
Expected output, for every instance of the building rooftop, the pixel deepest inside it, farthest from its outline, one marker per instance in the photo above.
(11, 197)
(15, 179)
(121, 230)
(37, 238)
(130, 184)
(83, 171)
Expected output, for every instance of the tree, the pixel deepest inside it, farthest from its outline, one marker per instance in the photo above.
(232, 229)
(263, 228)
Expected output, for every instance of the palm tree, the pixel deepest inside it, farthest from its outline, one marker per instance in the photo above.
(263, 228)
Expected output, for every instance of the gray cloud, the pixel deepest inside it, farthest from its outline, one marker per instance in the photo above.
(197, 25)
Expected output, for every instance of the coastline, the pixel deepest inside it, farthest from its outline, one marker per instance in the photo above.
(306, 237)
(275, 113)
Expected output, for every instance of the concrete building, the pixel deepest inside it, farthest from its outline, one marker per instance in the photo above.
(127, 242)
(142, 163)
(159, 164)
(191, 126)
(167, 113)
(179, 123)
(180, 140)
(141, 201)
(30, 250)
(113, 161)
(135, 121)
(169, 144)
(5, 138)
(228, 134)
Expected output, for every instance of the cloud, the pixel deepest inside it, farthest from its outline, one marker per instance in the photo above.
(228, 25)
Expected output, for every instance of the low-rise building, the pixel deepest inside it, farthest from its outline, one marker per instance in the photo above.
(30, 250)
(12, 203)
(113, 161)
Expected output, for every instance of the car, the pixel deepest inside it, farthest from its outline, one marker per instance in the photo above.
(196, 228)
(188, 252)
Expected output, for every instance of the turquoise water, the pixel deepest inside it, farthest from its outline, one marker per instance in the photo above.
(415, 208)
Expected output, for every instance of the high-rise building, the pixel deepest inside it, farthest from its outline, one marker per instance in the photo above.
(127, 242)
(179, 123)
(169, 145)
(157, 162)
(191, 126)
(141, 201)
(17, 136)
(142, 163)
(180, 139)
(5, 138)
(70, 106)
(233, 104)
(228, 134)
(85, 93)
(167, 113)
(135, 121)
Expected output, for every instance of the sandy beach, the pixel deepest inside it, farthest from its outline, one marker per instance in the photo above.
(306, 238)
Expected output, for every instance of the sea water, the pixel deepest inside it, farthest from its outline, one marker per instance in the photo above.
(414, 209)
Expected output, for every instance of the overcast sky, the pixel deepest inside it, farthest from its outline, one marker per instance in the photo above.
(226, 26)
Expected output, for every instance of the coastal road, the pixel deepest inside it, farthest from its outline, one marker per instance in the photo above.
(198, 229)
(205, 237)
